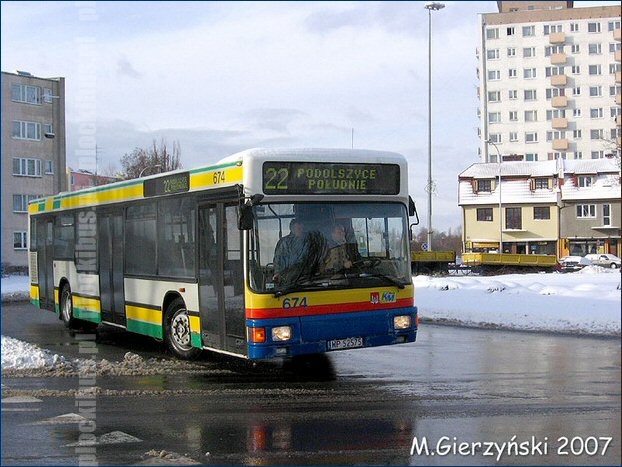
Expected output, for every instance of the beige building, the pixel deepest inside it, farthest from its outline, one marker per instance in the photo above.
(33, 154)
(554, 207)
(550, 81)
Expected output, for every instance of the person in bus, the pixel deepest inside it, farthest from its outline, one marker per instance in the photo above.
(291, 253)
(337, 256)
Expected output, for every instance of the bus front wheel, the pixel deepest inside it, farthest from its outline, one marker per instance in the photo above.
(177, 331)
(66, 308)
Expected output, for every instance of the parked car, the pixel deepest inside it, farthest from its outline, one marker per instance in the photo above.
(606, 260)
(572, 263)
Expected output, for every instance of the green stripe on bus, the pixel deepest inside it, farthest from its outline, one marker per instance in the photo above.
(148, 329)
(36, 302)
(196, 340)
(87, 315)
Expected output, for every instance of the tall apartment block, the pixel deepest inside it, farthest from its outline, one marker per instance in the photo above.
(33, 154)
(549, 81)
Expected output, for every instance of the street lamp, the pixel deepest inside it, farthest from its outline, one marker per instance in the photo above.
(149, 167)
(430, 6)
(489, 141)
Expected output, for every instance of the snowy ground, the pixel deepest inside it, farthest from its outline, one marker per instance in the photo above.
(582, 303)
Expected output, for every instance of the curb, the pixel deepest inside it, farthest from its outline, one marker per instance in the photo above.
(13, 297)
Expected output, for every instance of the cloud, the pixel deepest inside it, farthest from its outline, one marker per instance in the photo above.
(125, 68)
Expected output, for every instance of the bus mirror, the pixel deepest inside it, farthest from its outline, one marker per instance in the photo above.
(412, 210)
(245, 218)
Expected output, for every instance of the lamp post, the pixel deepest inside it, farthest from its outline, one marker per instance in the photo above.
(430, 6)
(489, 141)
(149, 167)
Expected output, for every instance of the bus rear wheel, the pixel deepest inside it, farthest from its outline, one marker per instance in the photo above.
(66, 308)
(177, 331)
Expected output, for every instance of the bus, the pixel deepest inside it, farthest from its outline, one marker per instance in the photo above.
(188, 256)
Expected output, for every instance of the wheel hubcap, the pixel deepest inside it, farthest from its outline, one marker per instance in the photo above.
(180, 330)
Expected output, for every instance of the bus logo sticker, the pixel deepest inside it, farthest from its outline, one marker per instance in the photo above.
(389, 297)
(375, 298)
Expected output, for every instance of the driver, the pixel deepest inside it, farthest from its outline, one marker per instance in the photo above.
(337, 257)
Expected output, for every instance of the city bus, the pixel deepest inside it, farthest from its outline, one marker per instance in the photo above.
(188, 256)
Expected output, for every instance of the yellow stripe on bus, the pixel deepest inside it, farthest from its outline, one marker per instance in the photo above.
(34, 292)
(215, 177)
(147, 315)
(87, 303)
(195, 324)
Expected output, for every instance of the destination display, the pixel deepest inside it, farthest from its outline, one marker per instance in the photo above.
(330, 178)
(168, 185)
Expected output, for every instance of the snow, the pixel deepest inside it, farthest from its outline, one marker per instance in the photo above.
(585, 302)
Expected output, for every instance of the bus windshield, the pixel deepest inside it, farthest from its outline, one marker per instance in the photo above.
(313, 246)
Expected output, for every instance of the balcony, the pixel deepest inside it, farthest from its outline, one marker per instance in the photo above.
(557, 38)
(618, 77)
(618, 55)
(617, 35)
(559, 102)
(560, 144)
(619, 99)
(560, 123)
(619, 120)
(559, 80)
(558, 59)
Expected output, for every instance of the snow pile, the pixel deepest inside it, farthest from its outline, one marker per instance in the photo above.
(18, 354)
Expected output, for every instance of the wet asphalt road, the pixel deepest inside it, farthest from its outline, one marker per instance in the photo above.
(464, 394)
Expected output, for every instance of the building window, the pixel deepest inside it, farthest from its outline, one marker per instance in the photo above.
(26, 94)
(20, 240)
(26, 167)
(529, 31)
(529, 52)
(531, 115)
(596, 113)
(598, 154)
(576, 70)
(48, 130)
(596, 134)
(531, 156)
(575, 48)
(606, 214)
(512, 94)
(494, 117)
(513, 219)
(510, 31)
(512, 73)
(49, 167)
(513, 116)
(585, 181)
(20, 202)
(484, 186)
(595, 70)
(513, 136)
(596, 91)
(530, 94)
(586, 211)
(594, 49)
(593, 27)
(511, 52)
(542, 213)
(492, 54)
(613, 25)
(495, 138)
(551, 28)
(578, 155)
(576, 134)
(492, 33)
(494, 75)
(531, 137)
(554, 71)
(26, 130)
(494, 96)
(529, 73)
(484, 214)
(614, 90)
(576, 92)
(541, 183)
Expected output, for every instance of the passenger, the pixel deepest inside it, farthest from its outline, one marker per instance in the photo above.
(290, 253)
(337, 257)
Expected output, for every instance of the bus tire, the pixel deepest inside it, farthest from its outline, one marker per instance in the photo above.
(177, 332)
(66, 307)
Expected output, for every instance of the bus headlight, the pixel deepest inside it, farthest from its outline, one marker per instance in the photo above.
(282, 333)
(401, 322)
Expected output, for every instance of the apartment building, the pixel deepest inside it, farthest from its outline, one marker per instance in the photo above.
(550, 81)
(33, 154)
(556, 207)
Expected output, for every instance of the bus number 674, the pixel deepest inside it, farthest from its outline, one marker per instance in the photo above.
(295, 302)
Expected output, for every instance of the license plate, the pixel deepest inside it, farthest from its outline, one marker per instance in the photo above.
(348, 343)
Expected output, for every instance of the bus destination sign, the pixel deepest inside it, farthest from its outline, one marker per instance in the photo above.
(330, 178)
(167, 185)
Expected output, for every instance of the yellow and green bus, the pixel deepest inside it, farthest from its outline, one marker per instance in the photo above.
(189, 256)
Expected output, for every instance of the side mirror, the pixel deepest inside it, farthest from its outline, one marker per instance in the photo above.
(412, 210)
(245, 215)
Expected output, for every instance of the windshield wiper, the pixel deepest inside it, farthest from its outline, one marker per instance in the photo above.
(391, 280)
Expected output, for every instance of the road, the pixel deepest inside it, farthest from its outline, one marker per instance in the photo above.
(455, 397)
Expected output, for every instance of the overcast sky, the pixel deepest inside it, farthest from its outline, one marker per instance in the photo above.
(220, 77)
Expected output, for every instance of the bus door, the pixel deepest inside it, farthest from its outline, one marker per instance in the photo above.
(45, 261)
(111, 251)
(221, 281)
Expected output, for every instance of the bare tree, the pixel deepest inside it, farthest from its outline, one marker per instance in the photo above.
(155, 159)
